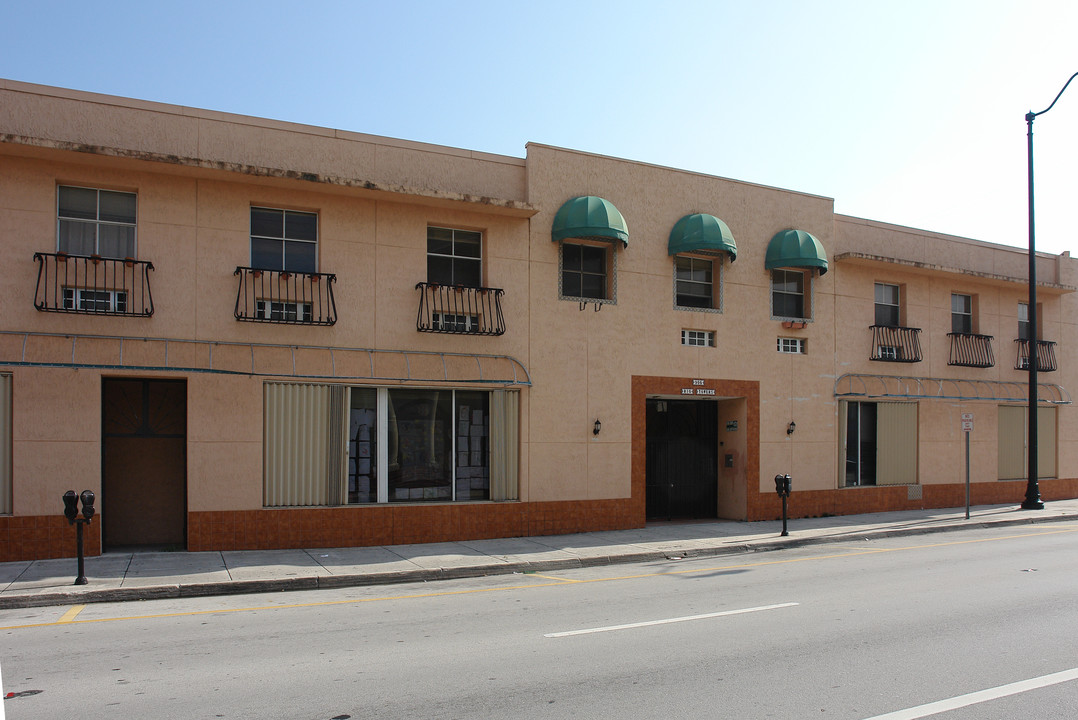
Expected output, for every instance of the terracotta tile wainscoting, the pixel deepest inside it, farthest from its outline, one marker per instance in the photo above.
(862, 500)
(279, 528)
(41, 537)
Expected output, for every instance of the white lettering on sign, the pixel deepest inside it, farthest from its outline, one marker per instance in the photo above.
(697, 382)
(701, 391)
(686, 391)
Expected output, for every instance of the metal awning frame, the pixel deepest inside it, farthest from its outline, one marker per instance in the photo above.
(906, 387)
(520, 375)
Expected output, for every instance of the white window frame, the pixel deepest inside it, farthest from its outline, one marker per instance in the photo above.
(698, 338)
(963, 313)
(895, 307)
(94, 300)
(715, 285)
(284, 239)
(97, 222)
(791, 345)
(288, 311)
(458, 322)
(454, 257)
(806, 295)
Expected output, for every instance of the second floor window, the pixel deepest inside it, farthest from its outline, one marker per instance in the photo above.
(285, 240)
(961, 314)
(788, 294)
(95, 222)
(887, 305)
(454, 257)
(695, 282)
(584, 271)
(1023, 321)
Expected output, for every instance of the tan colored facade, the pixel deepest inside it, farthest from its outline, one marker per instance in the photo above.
(166, 414)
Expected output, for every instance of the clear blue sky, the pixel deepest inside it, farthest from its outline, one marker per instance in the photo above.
(908, 112)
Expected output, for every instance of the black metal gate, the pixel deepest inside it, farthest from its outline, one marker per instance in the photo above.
(682, 459)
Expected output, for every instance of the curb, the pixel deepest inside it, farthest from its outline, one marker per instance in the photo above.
(246, 587)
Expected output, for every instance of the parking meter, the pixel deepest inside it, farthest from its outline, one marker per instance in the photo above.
(783, 487)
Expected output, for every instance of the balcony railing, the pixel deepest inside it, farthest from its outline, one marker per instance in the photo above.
(292, 298)
(971, 350)
(458, 309)
(1046, 355)
(896, 344)
(93, 285)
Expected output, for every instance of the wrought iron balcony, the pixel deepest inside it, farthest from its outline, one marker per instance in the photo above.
(1046, 355)
(896, 344)
(459, 309)
(93, 285)
(971, 350)
(292, 298)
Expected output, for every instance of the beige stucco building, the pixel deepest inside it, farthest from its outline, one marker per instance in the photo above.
(242, 334)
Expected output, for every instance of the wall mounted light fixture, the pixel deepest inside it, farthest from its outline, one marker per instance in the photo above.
(791, 427)
(598, 426)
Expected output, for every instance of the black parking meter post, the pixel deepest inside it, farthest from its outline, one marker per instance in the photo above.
(71, 512)
(783, 487)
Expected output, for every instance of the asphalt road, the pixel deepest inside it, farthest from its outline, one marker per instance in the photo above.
(973, 624)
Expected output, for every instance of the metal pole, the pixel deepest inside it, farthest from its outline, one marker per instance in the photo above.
(1033, 492)
(81, 579)
(967, 474)
(784, 532)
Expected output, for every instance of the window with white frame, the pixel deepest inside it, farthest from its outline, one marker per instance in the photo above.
(95, 222)
(85, 300)
(792, 346)
(401, 445)
(455, 322)
(283, 311)
(887, 305)
(790, 294)
(586, 271)
(284, 240)
(1023, 321)
(961, 314)
(694, 282)
(454, 257)
(698, 338)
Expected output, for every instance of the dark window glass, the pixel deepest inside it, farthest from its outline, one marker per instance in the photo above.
(887, 305)
(961, 314)
(284, 240)
(788, 294)
(454, 257)
(583, 271)
(694, 284)
(96, 222)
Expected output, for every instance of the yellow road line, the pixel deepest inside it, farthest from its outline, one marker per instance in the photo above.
(70, 615)
(555, 582)
(553, 577)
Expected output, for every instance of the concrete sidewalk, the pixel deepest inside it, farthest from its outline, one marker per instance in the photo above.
(116, 577)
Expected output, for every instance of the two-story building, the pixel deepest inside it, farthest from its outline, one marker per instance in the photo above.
(244, 334)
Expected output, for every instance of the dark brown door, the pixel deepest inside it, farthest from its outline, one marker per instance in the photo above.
(681, 475)
(144, 485)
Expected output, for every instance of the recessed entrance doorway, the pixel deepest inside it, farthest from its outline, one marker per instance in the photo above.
(682, 473)
(144, 463)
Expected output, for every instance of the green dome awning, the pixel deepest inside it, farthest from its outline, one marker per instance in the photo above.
(589, 216)
(795, 249)
(701, 233)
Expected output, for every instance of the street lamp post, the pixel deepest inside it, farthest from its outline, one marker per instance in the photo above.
(1033, 493)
